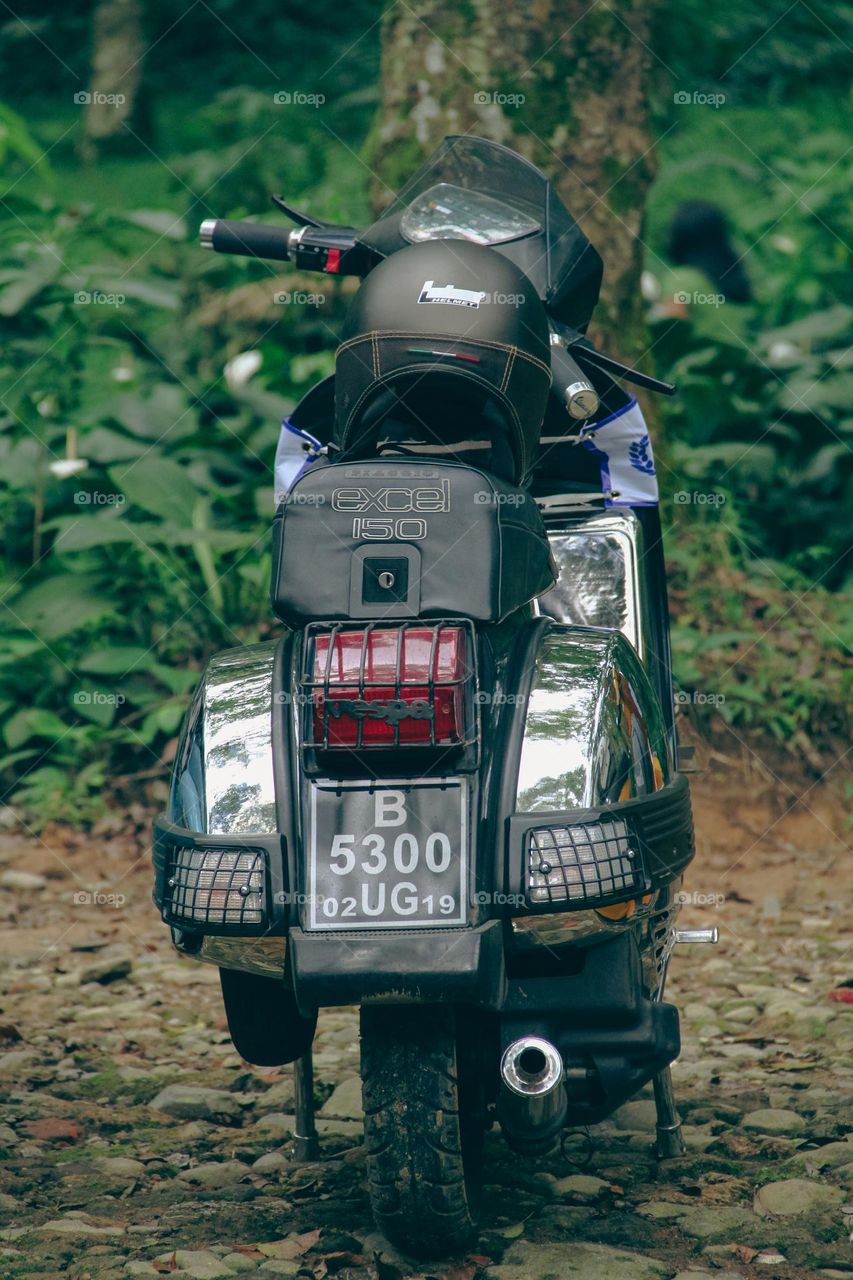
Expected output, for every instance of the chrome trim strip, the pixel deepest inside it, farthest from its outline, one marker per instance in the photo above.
(264, 956)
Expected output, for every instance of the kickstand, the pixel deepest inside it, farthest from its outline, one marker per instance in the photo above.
(670, 1142)
(306, 1144)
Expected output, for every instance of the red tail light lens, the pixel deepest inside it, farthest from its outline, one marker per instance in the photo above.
(389, 686)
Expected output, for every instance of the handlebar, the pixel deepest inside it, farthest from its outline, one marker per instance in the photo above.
(312, 248)
(249, 238)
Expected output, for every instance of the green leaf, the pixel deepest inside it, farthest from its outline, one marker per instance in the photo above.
(163, 221)
(97, 705)
(117, 660)
(33, 722)
(103, 445)
(158, 485)
(161, 413)
(60, 605)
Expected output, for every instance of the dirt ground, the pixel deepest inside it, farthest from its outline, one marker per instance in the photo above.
(98, 1016)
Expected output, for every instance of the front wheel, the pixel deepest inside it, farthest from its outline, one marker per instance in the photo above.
(424, 1122)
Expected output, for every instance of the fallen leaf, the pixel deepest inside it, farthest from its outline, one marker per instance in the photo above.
(52, 1129)
(165, 1268)
(332, 1263)
(387, 1270)
(513, 1232)
(290, 1248)
(842, 995)
(9, 1033)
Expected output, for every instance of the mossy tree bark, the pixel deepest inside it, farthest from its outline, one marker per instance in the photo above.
(118, 51)
(583, 72)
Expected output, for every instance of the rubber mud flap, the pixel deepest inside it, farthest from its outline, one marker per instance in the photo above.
(435, 966)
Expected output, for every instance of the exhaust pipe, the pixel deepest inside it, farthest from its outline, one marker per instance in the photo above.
(533, 1101)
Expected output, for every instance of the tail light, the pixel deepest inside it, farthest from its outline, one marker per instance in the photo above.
(389, 686)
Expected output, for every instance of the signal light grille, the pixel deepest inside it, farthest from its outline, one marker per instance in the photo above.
(582, 864)
(216, 889)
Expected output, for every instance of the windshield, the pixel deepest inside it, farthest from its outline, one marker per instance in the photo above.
(447, 212)
(472, 189)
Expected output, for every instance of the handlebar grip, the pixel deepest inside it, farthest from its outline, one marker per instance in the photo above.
(252, 239)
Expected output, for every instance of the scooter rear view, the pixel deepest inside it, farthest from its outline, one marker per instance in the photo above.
(448, 793)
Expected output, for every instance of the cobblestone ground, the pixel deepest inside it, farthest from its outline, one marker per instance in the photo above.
(134, 1141)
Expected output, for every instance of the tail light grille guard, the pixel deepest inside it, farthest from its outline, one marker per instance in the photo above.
(386, 685)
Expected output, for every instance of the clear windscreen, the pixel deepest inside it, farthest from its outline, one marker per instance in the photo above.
(447, 212)
(473, 189)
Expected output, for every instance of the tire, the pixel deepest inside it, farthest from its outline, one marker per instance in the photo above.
(264, 1023)
(424, 1124)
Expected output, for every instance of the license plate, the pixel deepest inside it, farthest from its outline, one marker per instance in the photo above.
(387, 856)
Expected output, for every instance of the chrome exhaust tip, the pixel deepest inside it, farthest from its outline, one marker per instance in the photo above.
(533, 1101)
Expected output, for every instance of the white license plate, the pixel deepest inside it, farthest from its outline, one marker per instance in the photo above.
(386, 856)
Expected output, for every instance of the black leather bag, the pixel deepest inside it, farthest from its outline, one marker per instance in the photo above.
(378, 540)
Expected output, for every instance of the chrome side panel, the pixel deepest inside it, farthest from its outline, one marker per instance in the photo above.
(223, 778)
(593, 731)
(601, 583)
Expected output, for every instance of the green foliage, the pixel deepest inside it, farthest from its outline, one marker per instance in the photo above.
(136, 476)
(763, 418)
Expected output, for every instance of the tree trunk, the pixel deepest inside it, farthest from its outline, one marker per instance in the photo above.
(564, 84)
(118, 49)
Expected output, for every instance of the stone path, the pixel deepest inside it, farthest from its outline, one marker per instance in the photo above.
(134, 1142)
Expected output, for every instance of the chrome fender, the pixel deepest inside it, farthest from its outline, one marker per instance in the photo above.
(594, 734)
(222, 781)
(593, 731)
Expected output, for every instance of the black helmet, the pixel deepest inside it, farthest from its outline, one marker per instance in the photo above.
(445, 351)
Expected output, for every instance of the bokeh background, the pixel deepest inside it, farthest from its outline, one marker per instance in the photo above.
(142, 382)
